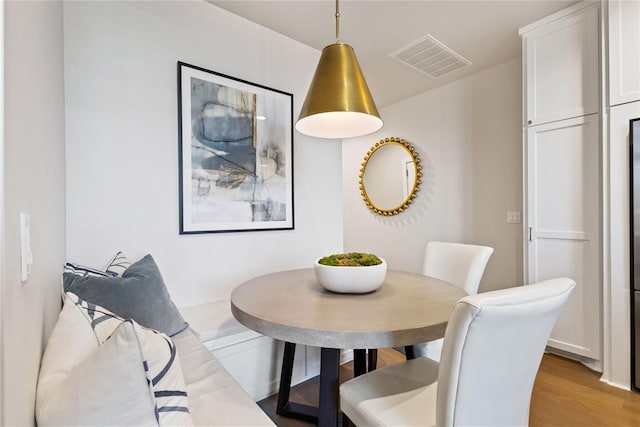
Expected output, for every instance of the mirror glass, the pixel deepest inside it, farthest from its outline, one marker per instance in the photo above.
(390, 176)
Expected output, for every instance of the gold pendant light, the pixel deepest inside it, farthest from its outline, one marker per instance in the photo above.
(338, 104)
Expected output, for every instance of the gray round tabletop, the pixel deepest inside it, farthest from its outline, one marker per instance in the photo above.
(291, 306)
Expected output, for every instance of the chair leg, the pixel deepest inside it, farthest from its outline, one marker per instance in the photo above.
(372, 362)
(408, 351)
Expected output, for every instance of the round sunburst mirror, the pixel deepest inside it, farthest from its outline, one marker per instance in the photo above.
(390, 176)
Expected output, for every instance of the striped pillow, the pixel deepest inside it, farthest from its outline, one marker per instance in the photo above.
(118, 264)
(84, 271)
(101, 369)
(115, 267)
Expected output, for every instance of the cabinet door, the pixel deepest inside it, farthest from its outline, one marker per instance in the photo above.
(563, 194)
(561, 69)
(624, 51)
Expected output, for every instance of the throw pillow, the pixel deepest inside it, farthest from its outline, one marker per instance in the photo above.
(101, 369)
(118, 264)
(115, 267)
(82, 270)
(139, 294)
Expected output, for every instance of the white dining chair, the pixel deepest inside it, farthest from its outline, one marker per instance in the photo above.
(493, 346)
(457, 263)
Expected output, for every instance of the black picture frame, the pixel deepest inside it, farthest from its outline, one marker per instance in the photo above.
(235, 154)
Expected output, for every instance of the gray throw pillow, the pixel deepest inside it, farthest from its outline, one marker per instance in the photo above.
(139, 294)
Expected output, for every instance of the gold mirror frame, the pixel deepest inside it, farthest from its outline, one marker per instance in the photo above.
(416, 185)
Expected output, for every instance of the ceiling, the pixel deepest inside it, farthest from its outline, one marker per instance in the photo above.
(484, 32)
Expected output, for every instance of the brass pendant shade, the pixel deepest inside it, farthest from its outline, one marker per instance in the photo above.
(338, 104)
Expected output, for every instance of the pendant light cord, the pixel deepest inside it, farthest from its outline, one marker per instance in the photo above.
(337, 22)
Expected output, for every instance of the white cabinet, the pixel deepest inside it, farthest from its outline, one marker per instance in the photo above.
(564, 219)
(562, 173)
(624, 51)
(561, 66)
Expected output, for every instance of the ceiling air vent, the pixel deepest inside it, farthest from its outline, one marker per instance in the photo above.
(430, 57)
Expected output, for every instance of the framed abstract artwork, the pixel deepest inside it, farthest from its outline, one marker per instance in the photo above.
(235, 154)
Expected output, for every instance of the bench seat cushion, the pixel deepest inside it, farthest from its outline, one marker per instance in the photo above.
(215, 398)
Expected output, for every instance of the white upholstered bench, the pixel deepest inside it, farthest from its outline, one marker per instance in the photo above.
(215, 397)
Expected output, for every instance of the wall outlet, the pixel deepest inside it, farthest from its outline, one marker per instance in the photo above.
(513, 217)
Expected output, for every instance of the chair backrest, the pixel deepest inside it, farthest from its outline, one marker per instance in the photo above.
(492, 350)
(457, 263)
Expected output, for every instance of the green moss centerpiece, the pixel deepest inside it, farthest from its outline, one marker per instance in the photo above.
(352, 259)
(353, 272)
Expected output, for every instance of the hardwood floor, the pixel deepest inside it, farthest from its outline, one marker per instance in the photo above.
(568, 394)
(565, 394)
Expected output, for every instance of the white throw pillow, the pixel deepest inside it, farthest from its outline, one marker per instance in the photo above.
(99, 369)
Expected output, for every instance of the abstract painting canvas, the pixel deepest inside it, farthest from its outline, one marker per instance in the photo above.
(235, 154)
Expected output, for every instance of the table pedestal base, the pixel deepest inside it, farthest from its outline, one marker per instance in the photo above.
(327, 413)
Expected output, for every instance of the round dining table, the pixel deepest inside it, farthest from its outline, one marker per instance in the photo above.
(293, 307)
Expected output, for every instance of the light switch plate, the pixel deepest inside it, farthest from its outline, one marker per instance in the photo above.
(513, 217)
(26, 258)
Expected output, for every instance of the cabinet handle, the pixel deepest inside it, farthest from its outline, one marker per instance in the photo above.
(529, 122)
(530, 233)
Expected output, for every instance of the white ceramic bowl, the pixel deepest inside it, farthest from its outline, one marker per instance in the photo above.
(353, 280)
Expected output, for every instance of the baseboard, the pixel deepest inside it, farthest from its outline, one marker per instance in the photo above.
(594, 365)
(617, 385)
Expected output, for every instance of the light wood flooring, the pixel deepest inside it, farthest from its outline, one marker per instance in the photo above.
(565, 394)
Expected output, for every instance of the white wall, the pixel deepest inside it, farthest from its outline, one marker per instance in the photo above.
(122, 146)
(497, 171)
(33, 178)
(468, 137)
